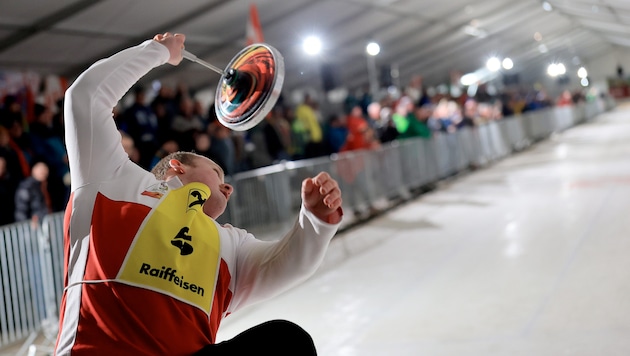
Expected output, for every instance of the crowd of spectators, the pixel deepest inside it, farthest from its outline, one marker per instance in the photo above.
(34, 174)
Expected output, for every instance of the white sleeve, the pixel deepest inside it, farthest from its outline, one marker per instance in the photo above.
(267, 268)
(92, 139)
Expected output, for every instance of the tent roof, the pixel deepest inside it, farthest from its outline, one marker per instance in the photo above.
(429, 38)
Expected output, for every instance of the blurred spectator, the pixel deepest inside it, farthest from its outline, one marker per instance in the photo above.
(484, 113)
(256, 146)
(141, 123)
(497, 110)
(469, 115)
(50, 148)
(299, 137)
(565, 99)
(360, 135)
(379, 118)
(536, 100)
(199, 113)
(186, 124)
(277, 135)
(373, 114)
(222, 147)
(11, 112)
(22, 144)
(352, 171)
(336, 132)
(165, 109)
(578, 96)
(447, 115)
(408, 123)
(306, 117)
(12, 159)
(7, 194)
(516, 104)
(203, 145)
(32, 199)
(400, 116)
(129, 146)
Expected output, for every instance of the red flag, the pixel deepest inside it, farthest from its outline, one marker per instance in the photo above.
(254, 30)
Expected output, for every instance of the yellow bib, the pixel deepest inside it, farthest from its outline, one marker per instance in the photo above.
(176, 250)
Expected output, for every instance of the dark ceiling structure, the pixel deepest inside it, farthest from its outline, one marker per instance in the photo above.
(416, 37)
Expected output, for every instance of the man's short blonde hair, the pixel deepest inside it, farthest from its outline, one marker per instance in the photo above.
(187, 158)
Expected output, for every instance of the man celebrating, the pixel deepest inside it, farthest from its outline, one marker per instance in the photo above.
(149, 270)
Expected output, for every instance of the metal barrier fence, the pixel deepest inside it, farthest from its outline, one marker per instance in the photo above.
(31, 278)
(266, 200)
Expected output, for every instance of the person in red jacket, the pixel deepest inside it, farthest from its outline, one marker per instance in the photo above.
(360, 135)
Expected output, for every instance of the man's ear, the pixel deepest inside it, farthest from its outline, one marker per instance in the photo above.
(177, 166)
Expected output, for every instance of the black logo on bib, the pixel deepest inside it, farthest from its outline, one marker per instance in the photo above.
(199, 199)
(180, 242)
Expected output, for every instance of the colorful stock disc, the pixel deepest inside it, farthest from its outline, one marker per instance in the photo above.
(250, 88)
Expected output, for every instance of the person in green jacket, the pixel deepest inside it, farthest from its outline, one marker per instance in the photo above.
(407, 122)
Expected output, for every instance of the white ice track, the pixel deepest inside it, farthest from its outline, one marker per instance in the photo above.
(528, 257)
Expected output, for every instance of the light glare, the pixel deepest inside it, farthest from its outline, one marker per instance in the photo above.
(508, 64)
(561, 69)
(493, 64)
(312, 45)
(582, 72)
(556, 69)
(373, 48)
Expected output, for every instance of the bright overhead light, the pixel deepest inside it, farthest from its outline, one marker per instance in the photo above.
(582, 72)
(556, 69)
(507, 63)
(373, 48)
(584, 82)
(561, 69)
(493, 64)
(547, 6)
(312, 45)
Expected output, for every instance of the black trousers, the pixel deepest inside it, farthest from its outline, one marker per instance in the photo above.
(276, 337)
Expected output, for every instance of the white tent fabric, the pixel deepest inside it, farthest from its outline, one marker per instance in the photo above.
(417, 37)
